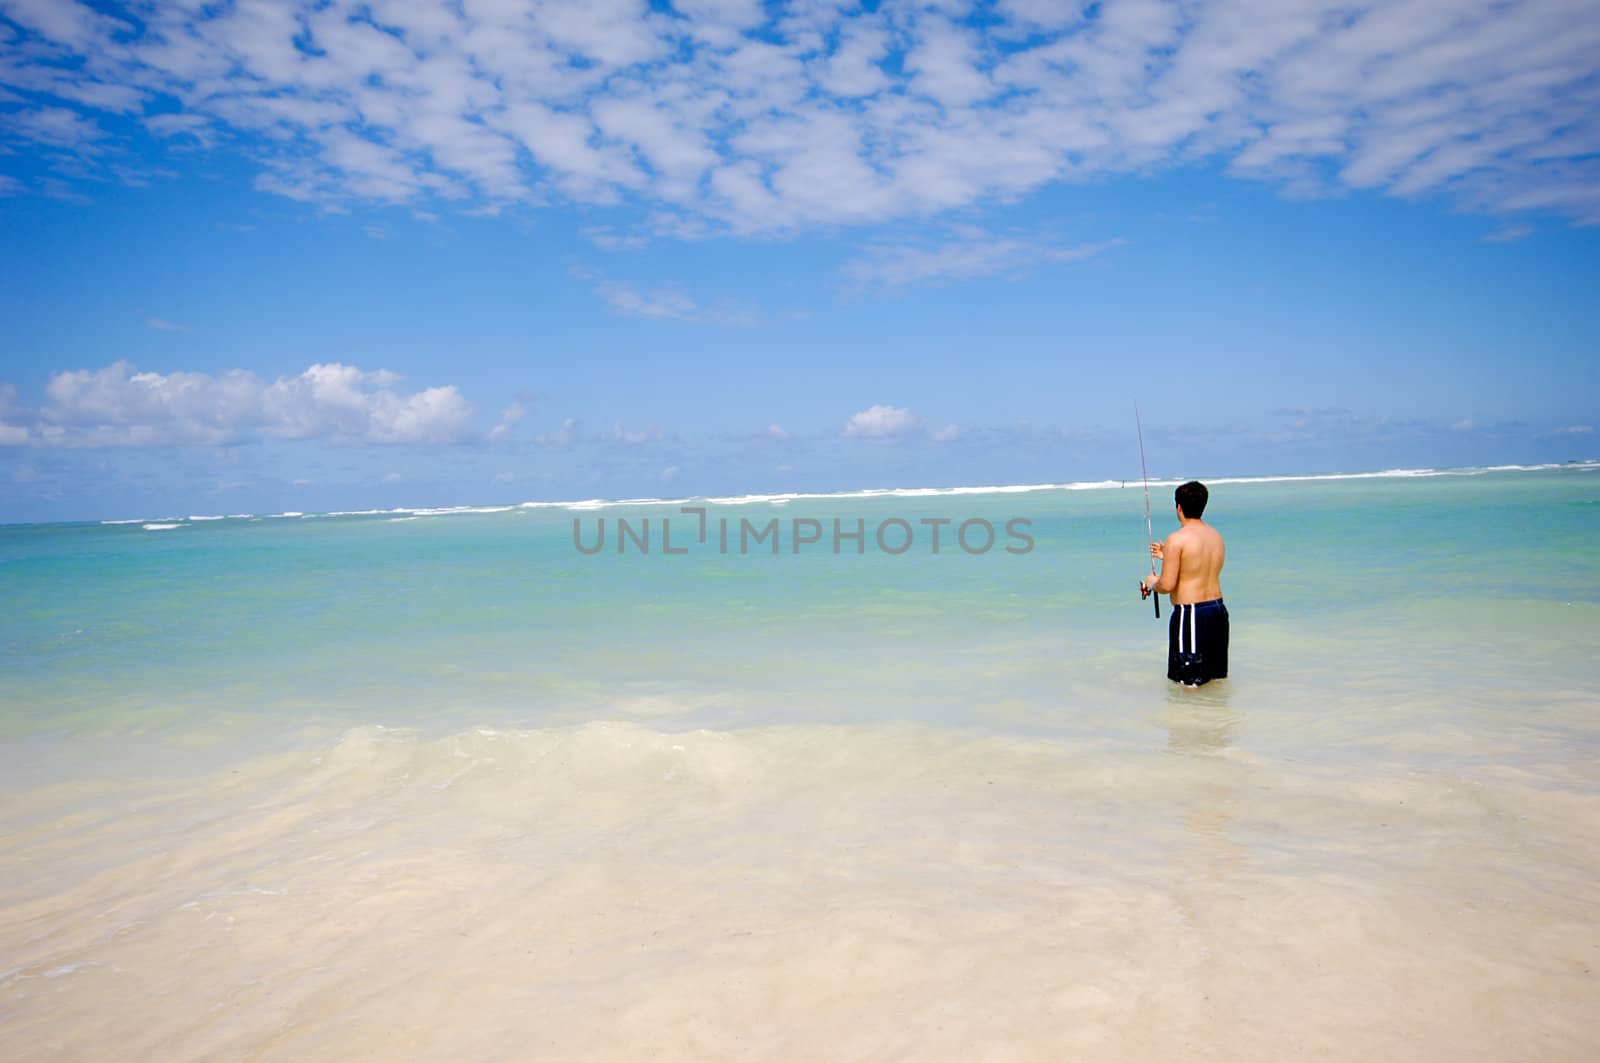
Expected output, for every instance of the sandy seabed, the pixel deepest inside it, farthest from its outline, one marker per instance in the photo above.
(612, 891)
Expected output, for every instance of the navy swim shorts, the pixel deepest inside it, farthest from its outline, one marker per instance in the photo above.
(1197, 643)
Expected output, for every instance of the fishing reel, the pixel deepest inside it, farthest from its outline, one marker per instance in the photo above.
(1146, 592)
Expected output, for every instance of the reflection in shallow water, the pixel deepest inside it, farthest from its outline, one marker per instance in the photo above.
(1200, 722)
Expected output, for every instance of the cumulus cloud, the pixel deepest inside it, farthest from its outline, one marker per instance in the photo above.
(744, 117)
(120, 406)
(880, 422)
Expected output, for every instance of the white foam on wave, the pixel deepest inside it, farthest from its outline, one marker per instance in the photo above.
(785, 497)
(161, 527)
(450, 511)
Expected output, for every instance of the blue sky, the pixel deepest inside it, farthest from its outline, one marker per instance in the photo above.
(266, 256)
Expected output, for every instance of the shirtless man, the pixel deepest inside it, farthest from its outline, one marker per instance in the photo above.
(1191, 567)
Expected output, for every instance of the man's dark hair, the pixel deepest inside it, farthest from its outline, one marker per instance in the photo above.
(1191, 498)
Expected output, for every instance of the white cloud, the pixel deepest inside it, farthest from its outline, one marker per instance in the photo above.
(562, 438)
(509, 417)
(1509, 234)
(120, 406)
(776, 431)
(608, 239)
(732, 115)
(12, 433)
(663, 303)
(948, 433)
(56, 127)
(971, 253)
(943, 61)
(648, 434)
(880, 422)
(1576, 430)
(1464, 426)
(163, 325)
(853, 68)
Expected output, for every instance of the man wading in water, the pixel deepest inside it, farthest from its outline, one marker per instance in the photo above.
(1191, 570)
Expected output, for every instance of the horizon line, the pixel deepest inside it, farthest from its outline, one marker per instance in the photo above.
(782, 497)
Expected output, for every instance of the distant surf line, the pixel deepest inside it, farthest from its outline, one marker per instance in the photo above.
(784, 497)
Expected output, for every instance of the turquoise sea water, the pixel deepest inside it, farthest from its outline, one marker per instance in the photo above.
(494, 617)
(219, 739)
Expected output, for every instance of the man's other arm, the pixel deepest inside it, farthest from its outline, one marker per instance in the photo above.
(1171, 555)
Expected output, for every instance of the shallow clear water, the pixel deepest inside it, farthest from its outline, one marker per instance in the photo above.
(444, 784)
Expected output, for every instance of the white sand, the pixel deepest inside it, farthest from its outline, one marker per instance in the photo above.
(805, 892)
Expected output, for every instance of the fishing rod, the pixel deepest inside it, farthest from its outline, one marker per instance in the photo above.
(1150, 535)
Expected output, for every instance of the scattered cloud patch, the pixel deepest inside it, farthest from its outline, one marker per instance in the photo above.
(13, 433)
(163, 325)
(663, 304)
(118, 406)
(949, 433)
(745, 117)
(563, 437)
(509, 417)
(608, 239)
(881, 422)
(648, 434)
(971, 253)
(1509, 234)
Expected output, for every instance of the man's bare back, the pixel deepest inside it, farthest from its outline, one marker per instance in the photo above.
(1193, 555)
